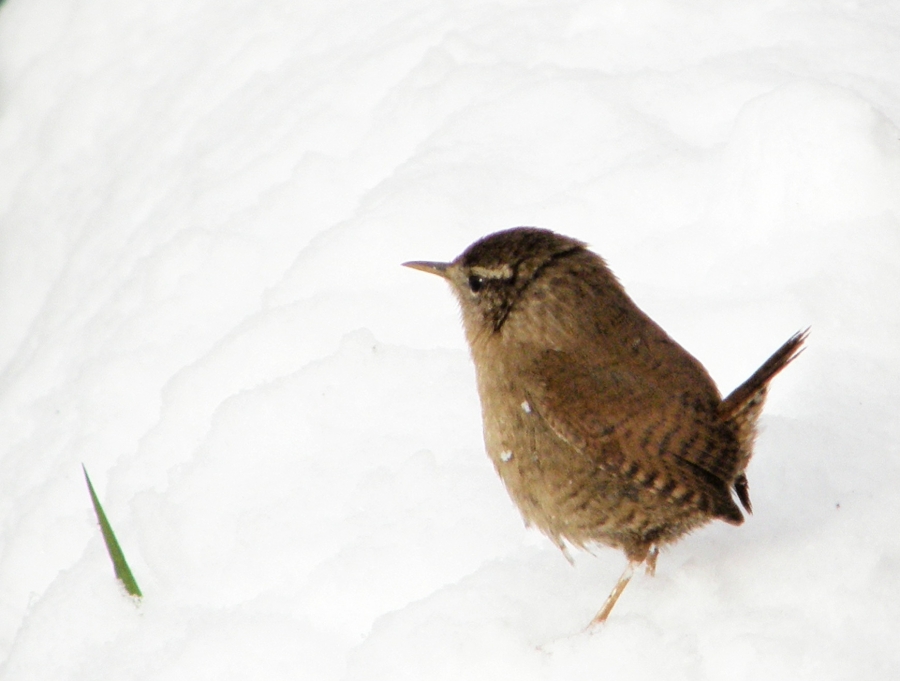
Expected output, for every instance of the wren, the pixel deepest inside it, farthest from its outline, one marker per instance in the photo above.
(603, 429)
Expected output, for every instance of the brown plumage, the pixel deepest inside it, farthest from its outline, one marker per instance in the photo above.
(603, 428)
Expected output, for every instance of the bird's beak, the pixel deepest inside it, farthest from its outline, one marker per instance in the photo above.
(438, 268)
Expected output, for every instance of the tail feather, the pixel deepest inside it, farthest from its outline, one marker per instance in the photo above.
(749, 391)
(744, 405)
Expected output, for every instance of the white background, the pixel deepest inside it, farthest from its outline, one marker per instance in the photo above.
(203, 209)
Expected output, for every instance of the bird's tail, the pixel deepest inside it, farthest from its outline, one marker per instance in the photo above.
(744, 405)
(753, 391)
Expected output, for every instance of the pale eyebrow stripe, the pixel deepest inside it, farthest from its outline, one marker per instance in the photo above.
(502, 272)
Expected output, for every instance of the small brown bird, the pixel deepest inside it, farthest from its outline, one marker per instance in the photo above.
(603, 428)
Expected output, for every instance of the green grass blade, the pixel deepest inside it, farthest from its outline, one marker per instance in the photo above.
(123, 572)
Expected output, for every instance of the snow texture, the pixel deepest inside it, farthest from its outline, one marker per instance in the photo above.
(203, 210)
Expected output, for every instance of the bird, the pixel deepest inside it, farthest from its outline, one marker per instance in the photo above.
(604, 430)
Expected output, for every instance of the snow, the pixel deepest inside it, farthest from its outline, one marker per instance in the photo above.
(203, 211)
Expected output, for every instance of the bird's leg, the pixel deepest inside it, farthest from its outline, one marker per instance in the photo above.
(645, 554)
(601, 616)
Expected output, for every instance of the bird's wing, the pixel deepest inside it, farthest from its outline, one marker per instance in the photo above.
(590, 406)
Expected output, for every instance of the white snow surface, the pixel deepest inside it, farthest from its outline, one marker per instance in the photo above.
(203, 210)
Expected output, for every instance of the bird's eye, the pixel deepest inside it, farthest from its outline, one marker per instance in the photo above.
(476, 283)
